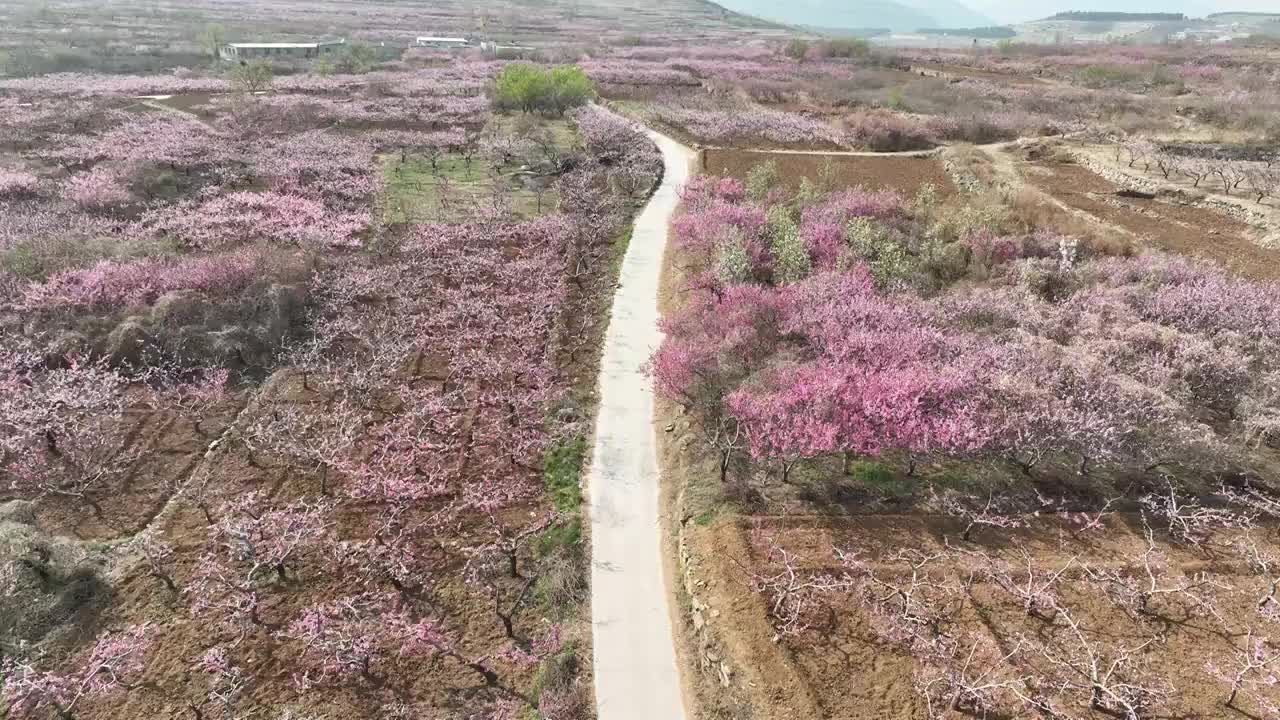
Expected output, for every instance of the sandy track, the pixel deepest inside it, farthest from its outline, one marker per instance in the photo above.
(636, 675)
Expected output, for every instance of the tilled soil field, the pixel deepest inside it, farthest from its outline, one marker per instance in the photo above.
(1182, 229)
(837, 663)
(904, 173)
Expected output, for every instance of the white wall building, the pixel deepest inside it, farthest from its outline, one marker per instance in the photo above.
(444, 43)
(236, 52)
(506, 52)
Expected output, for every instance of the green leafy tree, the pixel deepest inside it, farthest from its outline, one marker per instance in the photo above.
(570, 88)
(732, 263)
(211, 39)
(846, 48)
(529, 88)
(521, 86)
(252, 77)
(796, 49)
(762, 178)
(791, 262)
(872, 243)
(353, 59)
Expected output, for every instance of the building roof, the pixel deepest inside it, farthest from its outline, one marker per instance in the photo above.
(285, 45)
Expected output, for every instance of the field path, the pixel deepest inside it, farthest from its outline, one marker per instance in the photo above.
(636, 675)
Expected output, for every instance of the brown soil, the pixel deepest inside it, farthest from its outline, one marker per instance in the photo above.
(904, 173)
(695, 141)
(840, 669)
(173, 454)
(843, 667)
(960, 72)
(1183, 229)
(172, 682)
(169, 446)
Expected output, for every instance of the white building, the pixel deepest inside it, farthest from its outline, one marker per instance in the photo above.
(254, 51)
(507, 52)
(443, 43)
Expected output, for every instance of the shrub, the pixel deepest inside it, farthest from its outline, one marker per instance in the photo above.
(1106, 76)
(98, 189)
(761, 179)
(110, 283)
(888, 132)
(17, 184)
(732, 262)
(353, 59)
(845, 48)
(796, 49)
(252, 77)
(791, 262)
(874, 243)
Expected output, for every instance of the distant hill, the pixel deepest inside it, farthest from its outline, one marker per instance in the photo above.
(994, 32)
(898, 15)
(1092, 16)
(1244, 16)
(1190, 8)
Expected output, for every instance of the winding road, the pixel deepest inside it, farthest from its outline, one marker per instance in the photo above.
(636, 675)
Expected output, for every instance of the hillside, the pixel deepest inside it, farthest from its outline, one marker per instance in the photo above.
(140, 34)
(1097, 26)
(893, 14)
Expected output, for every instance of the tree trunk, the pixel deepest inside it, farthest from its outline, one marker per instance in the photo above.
(168, 582)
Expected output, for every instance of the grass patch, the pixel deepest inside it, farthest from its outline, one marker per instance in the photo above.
(451, 189)
(559, 670)
(562, 587)
(561, 468)
(872, 473)
(455, 191)
(620, 246)
(38, 259)
(562, 131)
(557, 536)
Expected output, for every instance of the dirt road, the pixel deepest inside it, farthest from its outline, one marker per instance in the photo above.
(636, 675)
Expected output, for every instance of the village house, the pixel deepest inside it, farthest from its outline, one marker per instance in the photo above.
(235, 52)
(443, 43)
(507, 52)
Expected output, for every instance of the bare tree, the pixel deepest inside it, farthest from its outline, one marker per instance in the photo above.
(1110, 676)
(1035, 588)
(972, 675)
(792, 592)
(1189, 521)
(992, 513)
(1140, 588)
(1251, 670)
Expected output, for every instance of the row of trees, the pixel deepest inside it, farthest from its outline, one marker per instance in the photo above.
(1051, 642)
(789, 346)
(1260, 178)
(414, 424)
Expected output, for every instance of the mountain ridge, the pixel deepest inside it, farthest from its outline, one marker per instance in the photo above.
(899, 15)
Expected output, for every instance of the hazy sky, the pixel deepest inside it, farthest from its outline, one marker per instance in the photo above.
(1020, 10)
